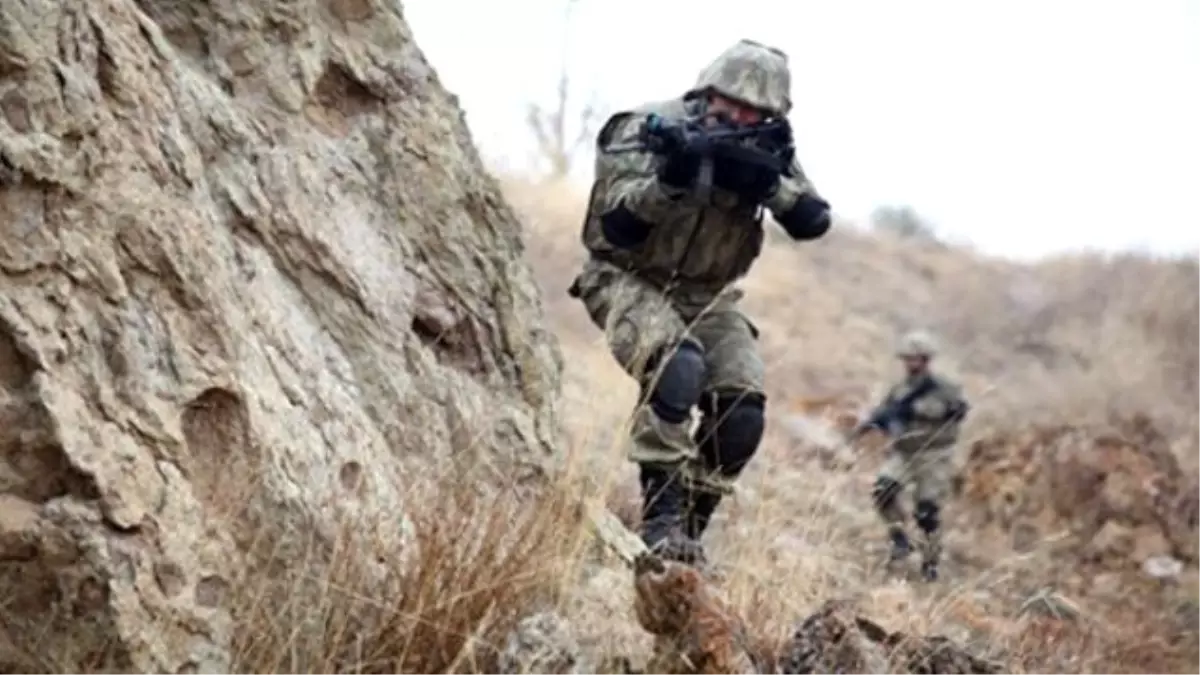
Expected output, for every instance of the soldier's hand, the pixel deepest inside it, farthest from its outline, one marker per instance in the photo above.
(753, 182)
(812, 210)
(663, 136)
(679, 168)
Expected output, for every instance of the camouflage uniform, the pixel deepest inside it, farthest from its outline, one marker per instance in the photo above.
(922, 414)
(664, 298)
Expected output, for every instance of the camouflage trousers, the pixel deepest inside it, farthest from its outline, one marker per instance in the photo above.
(639, 321)
(930, 472)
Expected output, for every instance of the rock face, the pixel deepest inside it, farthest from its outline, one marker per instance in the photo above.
(251, 267)
(694, 629)
(541, 643)
(1120, 493)
(836, 640)
(697, 632)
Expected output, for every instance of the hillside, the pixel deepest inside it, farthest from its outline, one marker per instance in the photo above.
(287, 384)
(1094, 336)
(1078, 465)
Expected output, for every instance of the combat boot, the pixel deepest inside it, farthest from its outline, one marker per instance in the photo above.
(900, 545)
(702, 506)
(929, 570)
(663, 503)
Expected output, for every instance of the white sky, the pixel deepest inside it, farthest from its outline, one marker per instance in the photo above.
(1023, 126)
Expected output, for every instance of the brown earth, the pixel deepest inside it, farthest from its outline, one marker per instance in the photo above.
(1078, 466)
(283, 375)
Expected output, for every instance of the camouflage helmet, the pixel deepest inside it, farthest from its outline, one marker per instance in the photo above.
(752, 73)
(916, 343)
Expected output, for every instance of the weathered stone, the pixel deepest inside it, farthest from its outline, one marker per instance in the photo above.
(1118, 492)
(251, 268)
(541, 643)
(695, 630)
(836, 640)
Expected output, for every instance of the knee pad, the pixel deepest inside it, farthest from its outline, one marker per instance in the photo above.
(623, 229)
(927, 515)
(731, 430)
(679, 384)
(885, 492)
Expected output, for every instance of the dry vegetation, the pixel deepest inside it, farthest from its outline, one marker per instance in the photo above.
(475, 564)
(1083, 340)
(1087, 341)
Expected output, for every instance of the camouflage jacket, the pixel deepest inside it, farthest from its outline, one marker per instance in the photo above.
(694, 248)
(931, 420)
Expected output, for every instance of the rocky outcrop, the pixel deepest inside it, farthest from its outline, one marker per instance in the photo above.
(1099, 525)
(836, 640)
(696, 631)
(252, 272)
(1119, 493)
(541, 643)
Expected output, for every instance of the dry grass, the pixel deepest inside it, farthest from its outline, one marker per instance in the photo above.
(1076, 339)
(1080, 339)
(477, 562)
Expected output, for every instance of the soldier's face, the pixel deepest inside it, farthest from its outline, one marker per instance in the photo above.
(915, 365)
(738, 113)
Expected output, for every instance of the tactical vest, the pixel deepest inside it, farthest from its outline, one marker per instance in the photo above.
(703, 247)
(921, 432)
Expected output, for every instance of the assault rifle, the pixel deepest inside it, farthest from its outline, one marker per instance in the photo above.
(892, 417)
(772, 144)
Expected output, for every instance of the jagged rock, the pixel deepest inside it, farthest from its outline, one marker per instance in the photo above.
(541, 643)
(251, 269)
(1120, 492)
(695, 630)
(830, 641)
(835, 640)
(935, 655)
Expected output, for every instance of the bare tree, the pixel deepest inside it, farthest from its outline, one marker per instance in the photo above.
(558, 140)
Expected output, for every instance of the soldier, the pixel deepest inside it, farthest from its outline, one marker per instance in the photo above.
(668, 232)
(921, 415)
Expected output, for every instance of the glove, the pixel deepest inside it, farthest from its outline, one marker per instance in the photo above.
(958, 411)
(881, 420)
(679, 167)
(807, 219)
(678, 163)
(754, 183)
(753, 172)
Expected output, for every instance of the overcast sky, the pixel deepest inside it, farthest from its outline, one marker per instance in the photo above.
(1023, 126)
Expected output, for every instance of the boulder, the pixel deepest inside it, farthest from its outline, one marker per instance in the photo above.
(1119, 491)
(252, 274)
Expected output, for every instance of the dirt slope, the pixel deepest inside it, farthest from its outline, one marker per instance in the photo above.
(1078, 467)
(255, 285)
